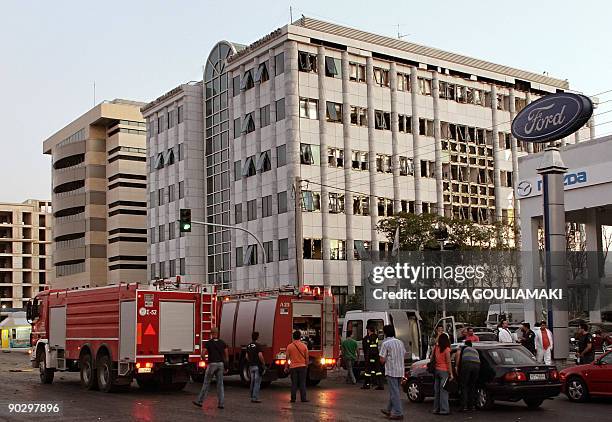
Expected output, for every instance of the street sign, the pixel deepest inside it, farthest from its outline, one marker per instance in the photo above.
(552, 117)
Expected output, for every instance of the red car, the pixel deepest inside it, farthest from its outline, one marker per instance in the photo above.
(590, 380)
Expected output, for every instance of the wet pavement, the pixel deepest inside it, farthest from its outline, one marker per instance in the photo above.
(332, 400)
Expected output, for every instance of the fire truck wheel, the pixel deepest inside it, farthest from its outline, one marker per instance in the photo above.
(88, 373)
(245, 374)
(46, 375)
(106, 375)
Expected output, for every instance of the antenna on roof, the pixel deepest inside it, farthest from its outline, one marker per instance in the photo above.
(399, 34)
(290, 14)
(94, 93)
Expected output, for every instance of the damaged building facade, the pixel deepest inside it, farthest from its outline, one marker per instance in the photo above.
(315, 132)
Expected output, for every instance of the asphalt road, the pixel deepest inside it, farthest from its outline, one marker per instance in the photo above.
(332, 400)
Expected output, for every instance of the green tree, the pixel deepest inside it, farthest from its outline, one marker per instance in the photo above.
(417, 232)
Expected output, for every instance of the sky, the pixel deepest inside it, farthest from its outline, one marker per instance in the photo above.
(52, 52)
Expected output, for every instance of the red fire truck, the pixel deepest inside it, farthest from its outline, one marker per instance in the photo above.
(275, 314)
(115, 334)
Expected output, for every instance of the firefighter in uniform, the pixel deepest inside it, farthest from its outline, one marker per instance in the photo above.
(373, 369)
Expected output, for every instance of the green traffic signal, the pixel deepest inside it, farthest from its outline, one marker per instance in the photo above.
(185, 220)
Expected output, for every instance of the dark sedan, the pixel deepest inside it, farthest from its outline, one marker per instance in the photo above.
(508, 372)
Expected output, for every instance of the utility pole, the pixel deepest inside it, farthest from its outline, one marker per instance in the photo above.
(299, 242)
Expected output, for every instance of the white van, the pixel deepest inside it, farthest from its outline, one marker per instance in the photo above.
(407, 324)
(513, 312)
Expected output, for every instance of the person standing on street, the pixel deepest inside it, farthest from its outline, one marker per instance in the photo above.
(349, 355)
(373, 370)
(297, 362)
(528, 338)
(544, 344)
(443, 372)
(257, 366)
(391, 355)
(218, 357)
(586, 353)
(503, 333)
(467, 363)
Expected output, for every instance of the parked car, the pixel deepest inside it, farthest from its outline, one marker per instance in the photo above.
(508, 373)
(485, 334)
(581, 382)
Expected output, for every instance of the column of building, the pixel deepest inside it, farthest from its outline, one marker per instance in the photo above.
(416, 141)
(373, 208)
(274, 269)
(435, 92)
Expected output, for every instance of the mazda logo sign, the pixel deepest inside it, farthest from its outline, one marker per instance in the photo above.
(552, 117)
(523, 188)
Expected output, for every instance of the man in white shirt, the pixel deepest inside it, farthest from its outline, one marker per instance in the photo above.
(392, 354)
(503, 335)
(543, 344)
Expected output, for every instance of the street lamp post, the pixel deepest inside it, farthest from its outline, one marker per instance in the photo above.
(259, 242)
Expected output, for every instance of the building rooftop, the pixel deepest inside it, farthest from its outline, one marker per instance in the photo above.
(401, 45)
(169, 94)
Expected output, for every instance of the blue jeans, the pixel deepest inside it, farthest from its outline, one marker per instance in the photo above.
(255, 382)
(395, 401)
(440, 394)
(214, 369)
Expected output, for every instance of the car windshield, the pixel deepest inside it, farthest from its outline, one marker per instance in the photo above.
(510, 356)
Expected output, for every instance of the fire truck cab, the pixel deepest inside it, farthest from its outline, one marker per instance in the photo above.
(115, 334)
(276, 314)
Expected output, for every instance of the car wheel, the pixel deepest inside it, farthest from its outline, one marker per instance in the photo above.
(106, 375)
(414, 392)
(484, 400)
(577, 390)
(533, 403)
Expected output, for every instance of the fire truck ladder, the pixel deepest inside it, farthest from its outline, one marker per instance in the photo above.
(207, 313)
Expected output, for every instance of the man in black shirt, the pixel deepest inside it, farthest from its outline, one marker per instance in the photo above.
(256, 366)
(586, 353)
(528, 338)
(218, 357)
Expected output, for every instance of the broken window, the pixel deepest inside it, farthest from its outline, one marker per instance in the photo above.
(487, 99)
(403, 82)
(424, 168)
(247, 80)
(381, 76)
(334, 112)
(406, 167)
(311, 201)
(461, 94)
(310, 154)
(478, 97)
(308, 108)
(279, 63)
(337, 249)
(519, 103)
(336, 203)
(357, 72)
(364, 156)
(249, 167)
(250, 255)
(361, 205)
(263, 162)
(248, 124)
(335, 157)
(261, 74)
(442, 92)
(307, 62)
(159, 161)
(362, 249)
(312, 249)
(424, 86)
(264, 116)
(333, 67)
(170, 157)
(363, 117)
(382, 120)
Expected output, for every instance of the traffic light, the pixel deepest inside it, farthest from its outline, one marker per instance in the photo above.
(185, 220)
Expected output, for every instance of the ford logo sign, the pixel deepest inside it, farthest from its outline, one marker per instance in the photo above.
(552, 117)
